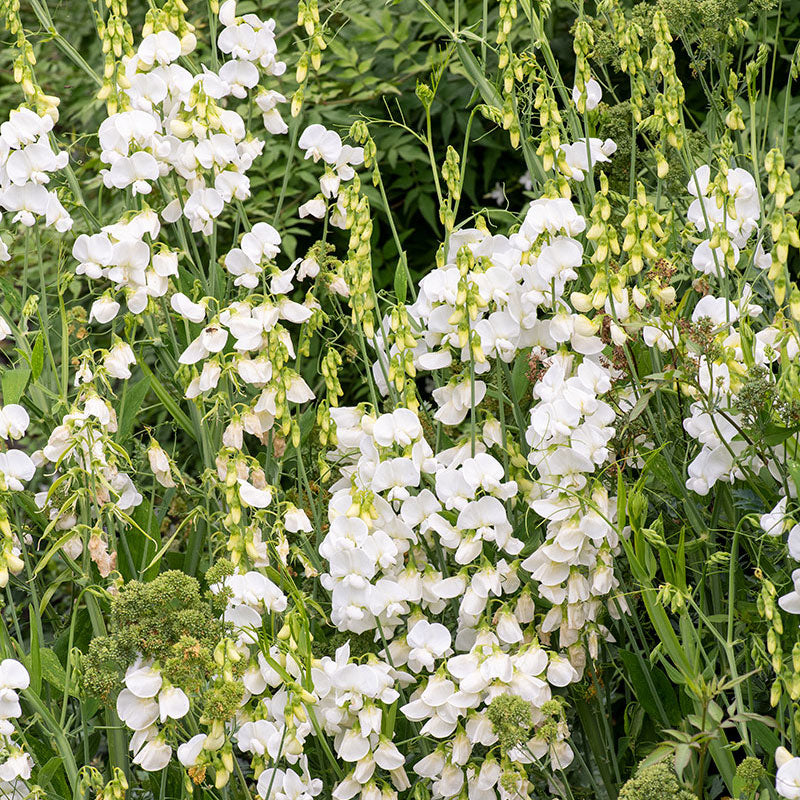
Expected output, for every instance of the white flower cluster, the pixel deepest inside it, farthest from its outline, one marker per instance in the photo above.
(177, 124)
(569, 438)
(127, 254)
(15, 763)
(729, 210)
(145, 700)
(396, 503)
(83, 439)
(27, 160)
(339, 159)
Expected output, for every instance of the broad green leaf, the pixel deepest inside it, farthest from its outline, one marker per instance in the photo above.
(652, 688)
(37, 356)
(131, 404)
(13, 383)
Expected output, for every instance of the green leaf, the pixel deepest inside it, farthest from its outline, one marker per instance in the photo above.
(166, 398)
(37, 356)
(647, 679)
(13, 383)
(52, 671)
(776, 434)
(519, 376)
(400, 283)
(131, 404)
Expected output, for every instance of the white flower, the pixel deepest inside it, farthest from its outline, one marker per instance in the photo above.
(104, 309)
(401, 427)
(161, 48)
(154, 755)
(118, 360)
(593, 94)
(579, 156)
(18, 765)
(787, 779)
(320, 143)
(134, 171)
(315, 207)
(13, 675)
(211, 340)
(194, 312)
(772, 523)
(189, 752)
(253, 497)
(14, 421)
(428, 642)
(160, 465)
(295, 519)
(17, 469)
(202, 208)
(455, 401)
(172, 703)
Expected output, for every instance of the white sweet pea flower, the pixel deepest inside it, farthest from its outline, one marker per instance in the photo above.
(160, 48)
(455, 401)
(14, 421)
(118, 360)
(211, 340)
(593, 93)
(17, 766)
(315, 207)
(134, 171)
(16, 468)
(13, 676)
(194, 312)
(787, 779)
(772, 523)
(154, 756)
(189, 752)
(578, 156)
(104, 309)
(295, 519)
(428, 642)
(160, 465)
(320, 143)
(253, 497)
(172, 703)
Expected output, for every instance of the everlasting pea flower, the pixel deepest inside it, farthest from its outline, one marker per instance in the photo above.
(593, 93)
(189, 752)
(155, 755)
(211, 340)
(772, 523)
(13, 676)
(295, 519)
(787, 779)
(253, 497)
(160, 48)
(455, 401)
(16, 468)
(104, 309)
(33, 163)
(194, 312)
(17, 766)
(578, 156)
(320, 143)
(159, 463)
(790, 602)
(428, 642)
(14, 421)
(118, 360)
